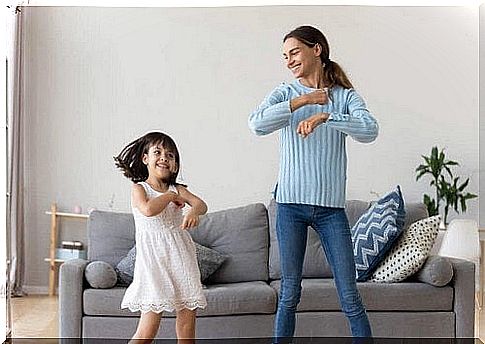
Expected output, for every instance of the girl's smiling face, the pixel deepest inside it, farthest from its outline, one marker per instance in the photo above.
(161, 162)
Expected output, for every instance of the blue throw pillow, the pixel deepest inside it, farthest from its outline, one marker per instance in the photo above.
(376, 231)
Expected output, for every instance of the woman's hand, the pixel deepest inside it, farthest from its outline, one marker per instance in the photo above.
(317, 97)
(307, 126)
(191, 220)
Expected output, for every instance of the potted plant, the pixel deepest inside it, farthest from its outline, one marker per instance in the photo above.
(450, 191)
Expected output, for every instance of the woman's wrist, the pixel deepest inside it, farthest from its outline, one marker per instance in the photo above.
(324, 116)
(298, 102)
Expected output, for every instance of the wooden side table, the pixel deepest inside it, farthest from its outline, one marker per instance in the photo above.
(53, 262)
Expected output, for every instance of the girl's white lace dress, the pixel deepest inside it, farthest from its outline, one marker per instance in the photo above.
(166, 276)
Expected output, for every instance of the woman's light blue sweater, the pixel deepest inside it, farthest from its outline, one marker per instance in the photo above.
(313, 170)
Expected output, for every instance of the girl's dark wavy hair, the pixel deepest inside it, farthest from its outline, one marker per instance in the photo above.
(130, 160)
(310, 36)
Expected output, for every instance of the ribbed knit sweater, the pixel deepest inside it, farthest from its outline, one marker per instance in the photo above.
(313, 170)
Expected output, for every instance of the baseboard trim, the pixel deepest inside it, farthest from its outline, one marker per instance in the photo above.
(35, 290)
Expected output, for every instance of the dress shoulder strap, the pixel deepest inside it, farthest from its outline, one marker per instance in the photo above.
(173, 188)
(145, 186)
(149, 190)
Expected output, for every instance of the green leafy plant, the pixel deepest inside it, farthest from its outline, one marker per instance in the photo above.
(450, 191)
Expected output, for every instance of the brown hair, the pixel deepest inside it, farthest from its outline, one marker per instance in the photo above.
(130, 160)
(332, 72)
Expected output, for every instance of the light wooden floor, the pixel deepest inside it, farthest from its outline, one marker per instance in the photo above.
(36, 316)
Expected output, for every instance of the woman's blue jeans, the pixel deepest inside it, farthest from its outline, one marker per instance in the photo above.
(331, 224)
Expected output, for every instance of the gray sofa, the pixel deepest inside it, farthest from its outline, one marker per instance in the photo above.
(242, 293)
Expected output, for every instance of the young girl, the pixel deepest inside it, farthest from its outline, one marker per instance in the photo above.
(166, 276)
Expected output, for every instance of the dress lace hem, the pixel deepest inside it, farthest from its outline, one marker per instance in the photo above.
(164, 306)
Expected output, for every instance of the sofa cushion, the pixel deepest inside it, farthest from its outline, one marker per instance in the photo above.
(126, 267)
(376, 231)
(241, 234)
(414, 212)
(354, 210)
(110, 236)
(222, 299)
(437, 271)
(100, 275)
(409, 253)
(208, 261)
(320, 295)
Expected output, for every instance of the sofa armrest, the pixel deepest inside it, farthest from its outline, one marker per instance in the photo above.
(463, 283)
(71, 285)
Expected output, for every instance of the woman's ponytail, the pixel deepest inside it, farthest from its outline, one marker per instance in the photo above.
(335, 75)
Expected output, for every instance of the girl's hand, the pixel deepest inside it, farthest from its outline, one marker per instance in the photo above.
(317, 97)
(191, 220)
(307, 126)
(177, 199)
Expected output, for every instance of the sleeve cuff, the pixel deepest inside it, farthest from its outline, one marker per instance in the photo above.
(286, 107)
(336, 117)
(332, 117)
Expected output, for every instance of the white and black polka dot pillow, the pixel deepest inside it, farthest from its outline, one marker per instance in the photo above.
(409, 252)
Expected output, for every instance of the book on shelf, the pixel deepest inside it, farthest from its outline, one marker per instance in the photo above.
(67, 253)
(72, 245)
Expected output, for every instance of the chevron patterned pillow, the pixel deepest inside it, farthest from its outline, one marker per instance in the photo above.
(376, 231)
(409, 253)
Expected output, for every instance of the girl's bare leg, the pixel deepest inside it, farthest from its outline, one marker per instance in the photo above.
(147, 328)
(185, 326)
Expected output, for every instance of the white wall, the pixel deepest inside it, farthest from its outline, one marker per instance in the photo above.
(97, 78)
(482, 113)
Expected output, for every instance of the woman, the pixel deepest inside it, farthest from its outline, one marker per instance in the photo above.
(314, 114)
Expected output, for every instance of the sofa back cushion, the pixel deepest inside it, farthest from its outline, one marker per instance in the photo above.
(241, 234)
(110, 236)
(315, 263)
(414, 212)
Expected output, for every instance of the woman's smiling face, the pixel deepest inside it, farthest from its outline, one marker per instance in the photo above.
(301, 59)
